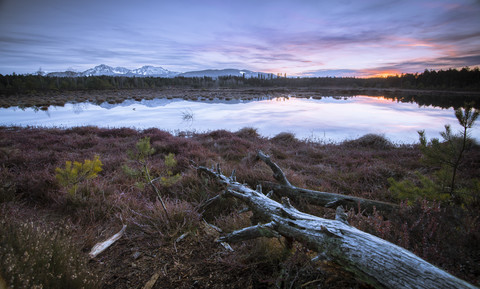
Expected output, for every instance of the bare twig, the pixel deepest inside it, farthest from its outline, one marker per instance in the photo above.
(150, 180)
(324, 199)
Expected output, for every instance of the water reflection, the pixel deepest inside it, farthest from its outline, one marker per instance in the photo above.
(188, 116)
(78, 108)
(325, 119)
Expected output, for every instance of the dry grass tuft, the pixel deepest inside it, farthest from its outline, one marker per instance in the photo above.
(373, 141)
(248, 132)
(34, 255)
(285, 138)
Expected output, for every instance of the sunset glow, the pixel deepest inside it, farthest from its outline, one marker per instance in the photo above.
(299, 38)
(384, 73)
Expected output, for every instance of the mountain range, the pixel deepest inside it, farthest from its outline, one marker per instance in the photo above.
(152, 71)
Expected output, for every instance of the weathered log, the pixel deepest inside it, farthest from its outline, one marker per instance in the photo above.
(324, 199)
(371, 259)
(102, 246)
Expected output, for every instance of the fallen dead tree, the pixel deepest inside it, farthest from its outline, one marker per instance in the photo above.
(371, 259)
(324, 199)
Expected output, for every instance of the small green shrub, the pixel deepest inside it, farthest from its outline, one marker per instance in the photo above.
(422, 188)
(448, 154)
(141, 156)
(33, 256)
(144, 150)
(470, 195)
(170, 179)
(76, 173)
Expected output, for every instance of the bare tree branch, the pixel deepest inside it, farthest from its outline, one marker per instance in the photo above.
(324, 199)
(373, 260)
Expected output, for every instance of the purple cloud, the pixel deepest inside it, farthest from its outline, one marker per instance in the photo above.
(296, 37)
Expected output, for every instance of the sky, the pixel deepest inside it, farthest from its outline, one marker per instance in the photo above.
(297, 37)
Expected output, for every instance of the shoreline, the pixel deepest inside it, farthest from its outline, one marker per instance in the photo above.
(374, 137)
(60, 98)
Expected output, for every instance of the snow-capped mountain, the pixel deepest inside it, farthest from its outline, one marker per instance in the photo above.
(149, 70)
(214, 73)
(152, 71)
(103, 69)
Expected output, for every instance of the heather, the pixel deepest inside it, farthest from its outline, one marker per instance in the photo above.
(168, 224)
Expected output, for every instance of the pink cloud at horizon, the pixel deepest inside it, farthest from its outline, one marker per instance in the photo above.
(300, 38)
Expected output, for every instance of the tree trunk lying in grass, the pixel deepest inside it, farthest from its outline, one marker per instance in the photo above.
(370, 258)
(324, 199)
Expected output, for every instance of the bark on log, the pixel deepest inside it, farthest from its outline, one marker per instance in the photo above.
(371, 259)
(324, 199)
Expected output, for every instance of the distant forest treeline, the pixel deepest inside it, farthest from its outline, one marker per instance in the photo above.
(465, 79)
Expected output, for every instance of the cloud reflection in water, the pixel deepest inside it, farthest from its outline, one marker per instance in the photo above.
(326, 119)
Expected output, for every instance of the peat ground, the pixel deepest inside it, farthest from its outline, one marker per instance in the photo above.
(43, 219)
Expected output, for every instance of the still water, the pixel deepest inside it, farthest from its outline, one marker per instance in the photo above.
(327, 119)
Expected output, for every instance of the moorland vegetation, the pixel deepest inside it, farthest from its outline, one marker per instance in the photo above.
(63, 190)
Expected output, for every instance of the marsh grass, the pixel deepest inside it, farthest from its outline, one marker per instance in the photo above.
(285, 138)
(7, 186)
(447, 235)
(248, 132)
(151, 218)
(35, 255)
(372, 141)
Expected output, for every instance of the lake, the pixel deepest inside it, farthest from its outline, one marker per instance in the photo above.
(329, 119)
